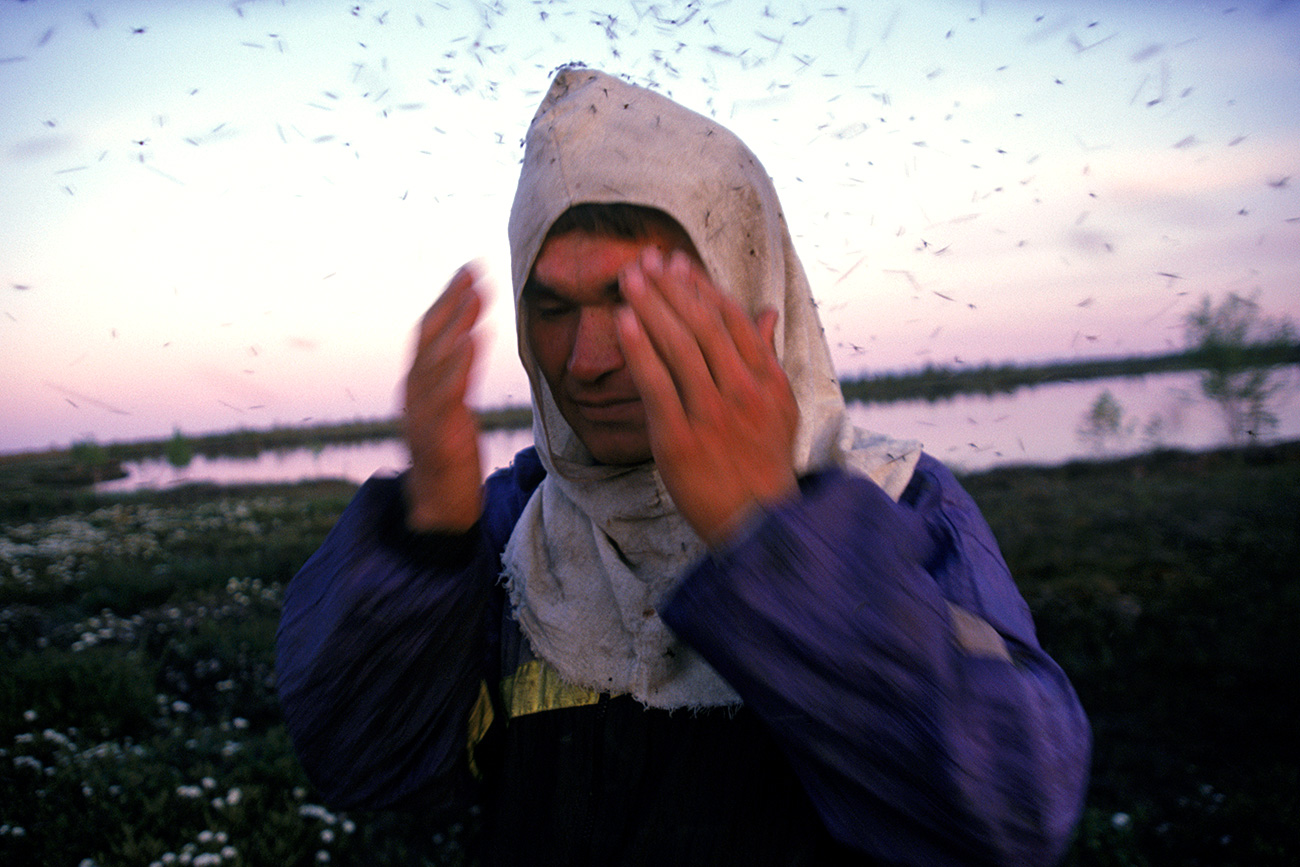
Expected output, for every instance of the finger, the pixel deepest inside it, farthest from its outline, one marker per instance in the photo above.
(654, 382)
(755, 339)
(745, 366)
(443, 352)
(457, 308)
(456, 311)
(694, 304)
(732, 346)
(643, 284)
(440, 370)
(446, 365)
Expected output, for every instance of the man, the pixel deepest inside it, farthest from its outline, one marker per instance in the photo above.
(730, 628)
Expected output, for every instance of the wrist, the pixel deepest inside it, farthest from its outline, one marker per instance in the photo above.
(427, 510)
(749, 515)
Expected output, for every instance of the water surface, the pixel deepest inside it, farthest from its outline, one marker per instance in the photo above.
(1038, 426)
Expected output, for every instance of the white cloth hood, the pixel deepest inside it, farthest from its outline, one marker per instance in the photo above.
(599, 547)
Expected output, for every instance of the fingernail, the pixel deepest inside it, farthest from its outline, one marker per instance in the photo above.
(679, 264)
(627, 320)
(652, 260)
(632, 280)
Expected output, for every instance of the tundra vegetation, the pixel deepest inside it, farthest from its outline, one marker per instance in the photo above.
(138, 723)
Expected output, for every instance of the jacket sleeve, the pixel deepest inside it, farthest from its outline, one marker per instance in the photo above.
(888, 650)
(383, 644)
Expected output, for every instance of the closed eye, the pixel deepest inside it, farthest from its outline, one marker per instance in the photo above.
(551, 309)
(541, 300)
(544, 302)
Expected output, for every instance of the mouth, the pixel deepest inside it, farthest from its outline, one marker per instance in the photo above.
(617, 410)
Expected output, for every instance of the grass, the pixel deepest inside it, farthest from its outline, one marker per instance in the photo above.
(138, 723)
(138, 719)
(1165, 585)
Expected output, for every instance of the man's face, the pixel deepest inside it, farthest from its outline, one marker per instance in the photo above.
(569, 305)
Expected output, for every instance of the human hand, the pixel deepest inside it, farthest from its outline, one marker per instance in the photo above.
(443, 486)
(720, 414)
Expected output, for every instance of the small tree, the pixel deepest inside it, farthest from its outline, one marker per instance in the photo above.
(178, 450)
(1241, 350)
(90, 458)
(1104, 423)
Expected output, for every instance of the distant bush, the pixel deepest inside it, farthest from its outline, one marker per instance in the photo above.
(1104, 425)
(1240, 350)
(178, 451)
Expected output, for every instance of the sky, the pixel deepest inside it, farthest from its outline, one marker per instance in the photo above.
(221, 215)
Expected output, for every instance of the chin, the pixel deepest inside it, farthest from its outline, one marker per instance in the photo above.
(618, 449)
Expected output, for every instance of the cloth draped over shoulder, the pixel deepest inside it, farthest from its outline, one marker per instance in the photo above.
(599, 548)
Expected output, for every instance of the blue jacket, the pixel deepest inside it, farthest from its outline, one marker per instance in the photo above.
(856, 629)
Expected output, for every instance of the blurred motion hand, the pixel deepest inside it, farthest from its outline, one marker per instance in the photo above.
(443, 486)
(720, 413)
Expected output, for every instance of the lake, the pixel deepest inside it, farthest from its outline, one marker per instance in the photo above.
(1038, 425)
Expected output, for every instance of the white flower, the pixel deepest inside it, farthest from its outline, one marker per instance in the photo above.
(327, 836)
(29, 762)
(1120, 821)
(234, 796)
(316, 811)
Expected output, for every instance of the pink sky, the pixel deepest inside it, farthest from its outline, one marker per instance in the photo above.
(233, 218)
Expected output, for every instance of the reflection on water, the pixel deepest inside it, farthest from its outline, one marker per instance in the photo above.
(971, 432)
(1041, 425)
(353, 461)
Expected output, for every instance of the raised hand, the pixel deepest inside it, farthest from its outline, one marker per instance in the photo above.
(443, 486)
(720, 414)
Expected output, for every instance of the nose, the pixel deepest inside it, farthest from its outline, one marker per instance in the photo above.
(596, 349)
